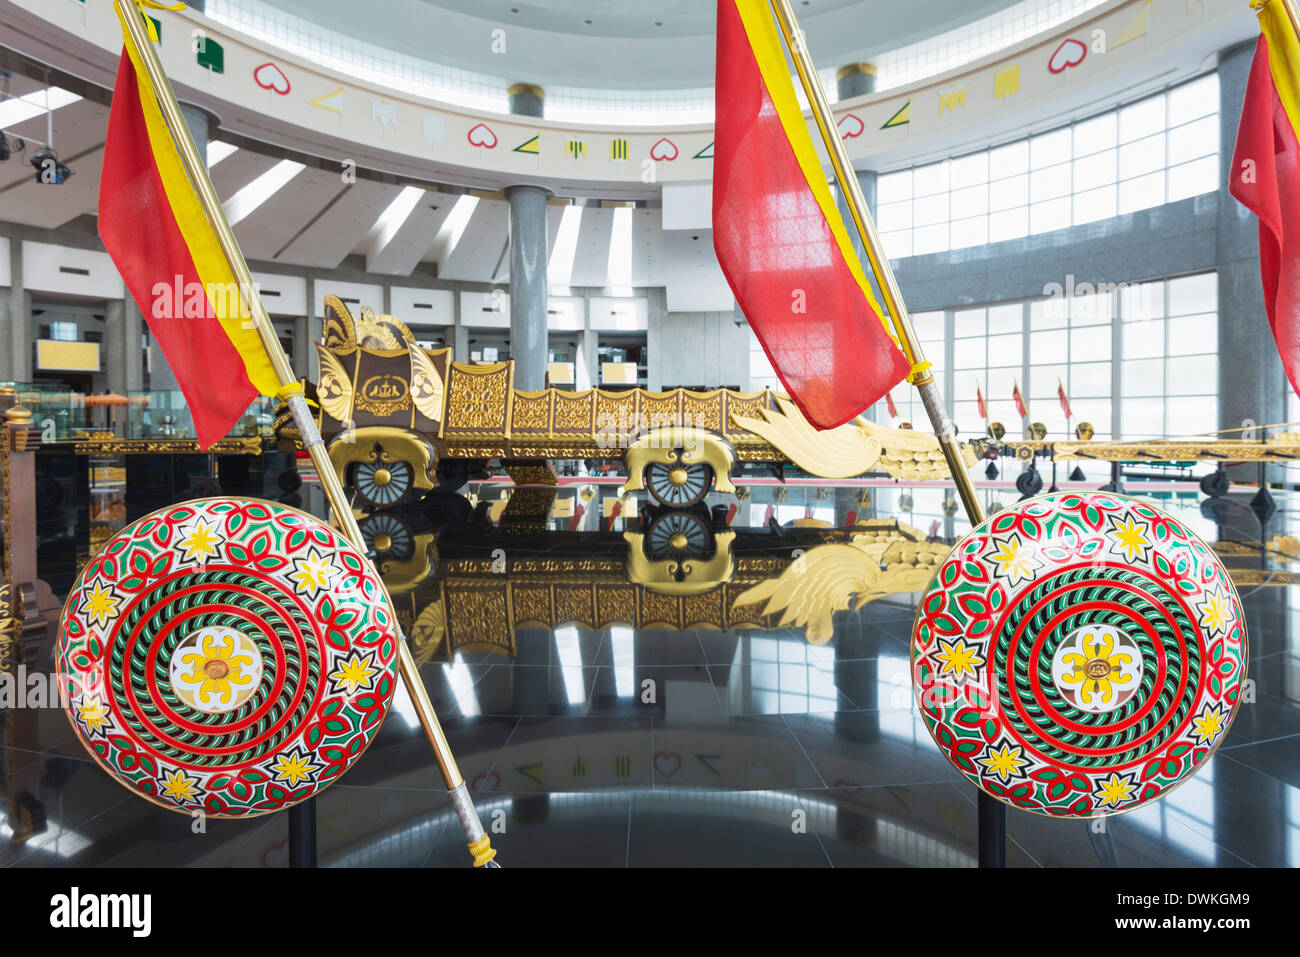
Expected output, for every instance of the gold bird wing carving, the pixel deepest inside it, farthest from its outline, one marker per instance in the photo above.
(334, 387)
(427, 389)
(842, 452)
(819, 583)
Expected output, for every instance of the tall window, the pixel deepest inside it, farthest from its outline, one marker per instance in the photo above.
(1136, 360)
(1160, 149)
(1170, 381)
(988, 354)
(929, 328)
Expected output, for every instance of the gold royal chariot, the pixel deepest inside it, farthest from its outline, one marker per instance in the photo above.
(401, 420)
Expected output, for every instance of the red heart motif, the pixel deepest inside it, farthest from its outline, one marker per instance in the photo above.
(665, 149)
(1070, 53)
(485, 782)
(850, 126)
(270, 77)
(482, 136)
(668, 763)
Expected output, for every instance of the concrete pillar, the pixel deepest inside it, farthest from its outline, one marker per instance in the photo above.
(526, 99)
(528, 345)
(16, 319)
(161, 376)
(132, 338)
(528, 259)
(857, 79)
(115, 346)
(1245, 340)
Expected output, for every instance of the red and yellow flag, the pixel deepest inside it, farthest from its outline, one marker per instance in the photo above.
(780, 239)
(1265, 173)
(1019, 400)
(154, 227)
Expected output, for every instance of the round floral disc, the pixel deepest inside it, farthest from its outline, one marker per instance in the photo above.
(1079, 654)
(227, 655)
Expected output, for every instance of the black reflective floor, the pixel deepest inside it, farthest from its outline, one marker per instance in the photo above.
(604, 717)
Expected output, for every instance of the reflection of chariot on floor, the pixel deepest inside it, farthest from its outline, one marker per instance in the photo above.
(401, 420)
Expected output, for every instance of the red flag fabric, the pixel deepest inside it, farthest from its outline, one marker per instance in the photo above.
(889, 404)
(1019, 400)
(1065, 401)
(780, 239)
(1265, 177)
(160, 239)
(979, 399)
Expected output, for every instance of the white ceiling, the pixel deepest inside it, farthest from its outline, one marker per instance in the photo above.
(628, 44)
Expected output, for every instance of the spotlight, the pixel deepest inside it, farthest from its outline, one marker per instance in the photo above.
(48, 168)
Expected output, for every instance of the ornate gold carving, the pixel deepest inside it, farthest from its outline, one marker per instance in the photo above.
(108, 444)
(334, 389)
(479, 616)
(703, 409)
(531, 413)
(384, 443)
(532, 605)
(429, 631)
(1281, 448)
(660, 445)
(383, 395)
(574, 604)
(477, 398)
(427, 389)
(680, 577)
(661, 409)
(616, 604)
(574, 413)
(530, 472)
(343, 332)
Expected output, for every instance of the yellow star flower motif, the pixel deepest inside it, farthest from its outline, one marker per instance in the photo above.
(93, 713)
(292, 768)
(1208, 724)
(1130, 538)
(100, 604)
(1115, 790)
(354, 672)
(958, 658)
(313, 573)
(1214, 613)
(200, 542)
(176, 784)
(1013, 560)
(1005, 762)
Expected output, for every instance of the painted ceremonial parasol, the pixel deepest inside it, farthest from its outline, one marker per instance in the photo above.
(1077, 655)
(227, 655)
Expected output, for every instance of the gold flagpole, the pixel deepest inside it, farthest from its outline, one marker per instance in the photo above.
(291, 393)
(889, 288)
(991, 813)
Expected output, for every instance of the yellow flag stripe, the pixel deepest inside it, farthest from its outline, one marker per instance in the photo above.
(214, 271)
(1283, 58)
(770, 55)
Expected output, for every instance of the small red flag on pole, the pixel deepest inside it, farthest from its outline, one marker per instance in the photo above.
(1019, 400)
(889, 402)
(1065, 401)
(979, 398)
